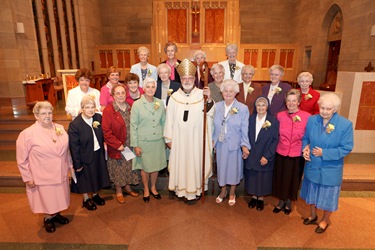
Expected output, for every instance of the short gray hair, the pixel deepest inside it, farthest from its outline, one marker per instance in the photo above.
(196, 53)
(279, 67)
(250, 67)
(217, 66)
(230, 83)
(149, 80)
(230, 47)
(42, 105)
(163, 66)
(143, 49)
(305, 74)
(330, 98)
(87, 99)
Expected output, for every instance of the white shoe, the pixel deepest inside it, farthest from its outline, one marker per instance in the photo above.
(219, 199)
(232, 202)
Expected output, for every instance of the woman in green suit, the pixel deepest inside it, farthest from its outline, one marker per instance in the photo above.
(146, 137)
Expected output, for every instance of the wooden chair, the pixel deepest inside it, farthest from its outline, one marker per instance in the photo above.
(59, 88)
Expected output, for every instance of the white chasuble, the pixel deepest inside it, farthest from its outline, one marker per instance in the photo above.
(184, 128)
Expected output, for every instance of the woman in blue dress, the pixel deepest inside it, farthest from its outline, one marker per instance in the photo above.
(230, 139)
(328, 139)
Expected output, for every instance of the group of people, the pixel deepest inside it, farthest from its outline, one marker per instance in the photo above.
(267, 135)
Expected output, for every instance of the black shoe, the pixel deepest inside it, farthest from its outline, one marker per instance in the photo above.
(60, 219)
(89, 204)
(156, 196)
(252, 203)
(287, 211)
(277, 210)
(98, 200)
(49, 225)
(146, 199)
(260, 205)
(320, 230)
(307, 221)
(171, 195)
(184, 199)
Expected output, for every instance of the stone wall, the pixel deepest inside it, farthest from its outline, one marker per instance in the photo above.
(266, 21)
(310, 29)
(18, 51)
(126, 22)
(89, 25)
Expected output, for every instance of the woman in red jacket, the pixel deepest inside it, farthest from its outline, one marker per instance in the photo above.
(116, 126)
(309, 97)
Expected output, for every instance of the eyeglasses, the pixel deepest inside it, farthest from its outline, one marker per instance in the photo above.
(45, 114)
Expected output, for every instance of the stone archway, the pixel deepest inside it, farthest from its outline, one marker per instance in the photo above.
(333, 24)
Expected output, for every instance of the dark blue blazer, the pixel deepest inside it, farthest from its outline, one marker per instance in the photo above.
(173, 85)
(265, 146)
(81, 140)
(176, 75)
(278, 100)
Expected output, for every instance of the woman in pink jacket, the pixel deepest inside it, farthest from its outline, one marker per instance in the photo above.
(43, 160)
(113, 75)
(286, 178)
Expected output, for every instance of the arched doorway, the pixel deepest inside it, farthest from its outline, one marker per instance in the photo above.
(333, 20)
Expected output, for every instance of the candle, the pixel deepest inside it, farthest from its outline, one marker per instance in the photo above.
(159, 48)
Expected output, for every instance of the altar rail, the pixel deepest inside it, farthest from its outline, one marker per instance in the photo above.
(261, 56)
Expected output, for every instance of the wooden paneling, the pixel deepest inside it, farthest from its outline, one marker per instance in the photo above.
(177, 25)
(261, 56)
(214, 25)
(122, 56)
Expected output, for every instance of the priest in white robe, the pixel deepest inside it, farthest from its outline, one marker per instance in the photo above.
(183, 134)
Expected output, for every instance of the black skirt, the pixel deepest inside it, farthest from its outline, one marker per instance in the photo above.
(93, 177)
(286, 177)
(258, 183)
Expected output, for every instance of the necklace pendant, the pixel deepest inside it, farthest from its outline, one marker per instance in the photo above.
(54, 140)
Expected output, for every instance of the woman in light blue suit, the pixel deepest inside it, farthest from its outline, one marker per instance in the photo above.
(146, 137)
(143, 69)
(263, 138)
(327, 140)
(230, 139)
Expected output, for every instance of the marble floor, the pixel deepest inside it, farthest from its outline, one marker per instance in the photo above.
(171, 224)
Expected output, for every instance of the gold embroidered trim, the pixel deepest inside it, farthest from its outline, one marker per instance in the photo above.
(186, 103)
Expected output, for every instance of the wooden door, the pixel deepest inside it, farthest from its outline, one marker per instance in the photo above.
(332, 65)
